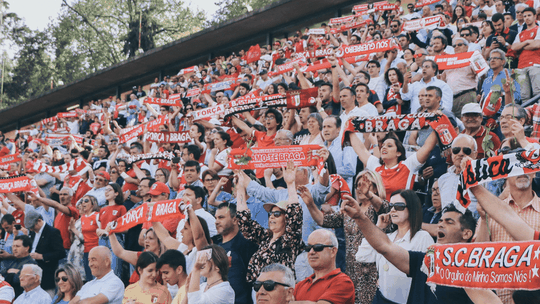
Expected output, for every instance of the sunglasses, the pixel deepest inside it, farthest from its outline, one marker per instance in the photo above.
(269, 285)
(114, 172)
(317, 247)
(459, 45)
(397, 206)
(64, 279)
(275, 213)
(466, 150)
(465, 35)
(85, 200)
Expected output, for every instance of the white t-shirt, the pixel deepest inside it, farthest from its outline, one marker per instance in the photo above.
(109, 285)
(370, 108)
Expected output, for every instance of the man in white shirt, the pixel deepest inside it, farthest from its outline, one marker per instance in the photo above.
(429, 70)
(106, 287)
(347, 98)
(196, 195)
(264, 81)
(376, 82)
(362, 94)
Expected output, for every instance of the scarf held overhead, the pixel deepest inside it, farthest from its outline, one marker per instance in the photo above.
(15, 184)
(274, 157)
(150, 212)
(512, 265)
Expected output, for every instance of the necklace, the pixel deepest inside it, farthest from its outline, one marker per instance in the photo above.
(210, 285)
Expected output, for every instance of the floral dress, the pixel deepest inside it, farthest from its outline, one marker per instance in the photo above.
(283, 251)
(76, 251)
(363, 275)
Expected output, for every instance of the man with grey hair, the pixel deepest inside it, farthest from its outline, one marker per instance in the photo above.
(463, 146)
(30, 280)
(462, 81)
(519, 25)
(494, 77)
(275, 284)
(65, 210)
(106, 287)
(327, 283)
(283, 138)
(47, 248)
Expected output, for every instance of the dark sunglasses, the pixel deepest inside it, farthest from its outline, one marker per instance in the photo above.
(275, 213)
(397, 206)
(466, 150)
(114, 172)
(269, 285)
(465, 35)
(64, 279)
(317, 247)
(85, 200)
(459, 44)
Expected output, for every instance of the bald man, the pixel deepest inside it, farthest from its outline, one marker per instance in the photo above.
(106, 287)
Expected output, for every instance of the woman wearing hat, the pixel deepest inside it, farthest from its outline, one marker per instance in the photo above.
(282, 241)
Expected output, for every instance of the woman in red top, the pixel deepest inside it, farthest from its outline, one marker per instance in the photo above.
(89, 208)
(114, 210)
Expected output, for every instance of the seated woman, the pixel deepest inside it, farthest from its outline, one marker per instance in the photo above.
(68, 283)
(216, 289)
(282, 241)
(406, 213)
(147, 290)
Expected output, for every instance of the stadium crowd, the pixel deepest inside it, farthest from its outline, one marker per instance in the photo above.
(354, 228)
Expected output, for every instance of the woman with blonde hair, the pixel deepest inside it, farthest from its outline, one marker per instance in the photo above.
(370, 192)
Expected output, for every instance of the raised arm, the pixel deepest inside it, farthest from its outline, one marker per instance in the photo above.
(423, 153)
(395, 254)
(164, 236)
(126, 255)
(196, 229)
(51, 203)
(359, 148)
(316, 214)
(241, 125)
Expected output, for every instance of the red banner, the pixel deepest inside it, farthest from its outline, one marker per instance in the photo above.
(149, 212)
(452, 61)
(366, 48)
(422, 3)
(324, 64)
(286, 67)
(8, 159)
(165, 210)
(512, 265)
(219, 86)
(273, 157)
(141, 129)
(189, 70)
(131, 219)
(15, 184)
(163, 101)
(341, 20)
(176, 97)
(302, 98)
(167, 137)
(193, 92)
(428, 23)
(253, 54)
(350, 26)
(316, 53)
(208, 112)
(378, 6)
(316, 31)
(66, 114)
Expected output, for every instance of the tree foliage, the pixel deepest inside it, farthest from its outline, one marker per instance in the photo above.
(230, 9)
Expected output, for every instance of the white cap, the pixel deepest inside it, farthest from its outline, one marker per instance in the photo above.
(472, 107)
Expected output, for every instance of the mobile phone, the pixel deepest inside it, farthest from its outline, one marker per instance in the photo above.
(176, 160)
(18, 227)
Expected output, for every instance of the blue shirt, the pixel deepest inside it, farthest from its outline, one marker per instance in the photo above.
(34, 296)
(345, 160)
(258, 213)
(268, 195)
(489, 82)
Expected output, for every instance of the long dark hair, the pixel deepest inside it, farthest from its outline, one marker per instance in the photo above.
(220, 260)
(398, 73)
(119, 199)
(145, 259)
(399, 147)
(74, 278)
(415, 209)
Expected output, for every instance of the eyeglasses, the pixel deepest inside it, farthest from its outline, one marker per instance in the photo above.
(276, 213)
(100, 179)
(397, 206)
(458, 45)
(435, 191)
(519, 12)
(210, 180)
(114, 172)
(269, 285)
(317, 247)
(269, 118)
(465, 35)
(394, 25)
(86, 201)
(493, 58)
(64, 279)
(466, 150)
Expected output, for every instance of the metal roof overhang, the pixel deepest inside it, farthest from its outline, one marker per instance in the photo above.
(277, 20)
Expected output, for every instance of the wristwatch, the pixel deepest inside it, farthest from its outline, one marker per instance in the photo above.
(321, 110)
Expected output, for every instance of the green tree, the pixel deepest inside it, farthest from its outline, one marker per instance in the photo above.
(230, 9)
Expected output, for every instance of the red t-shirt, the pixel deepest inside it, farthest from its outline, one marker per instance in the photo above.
(237, 140)
(19, 217)
(81, 191)
(335, 287)
(108, 214)
(62, 223)
(89, 226)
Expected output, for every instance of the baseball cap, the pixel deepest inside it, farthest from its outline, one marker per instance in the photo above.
(158, 188)
(281, 205)
(472, 107)
(104, 174)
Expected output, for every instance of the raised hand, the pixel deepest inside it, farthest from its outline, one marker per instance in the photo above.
(289, 172)
(350, 207)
